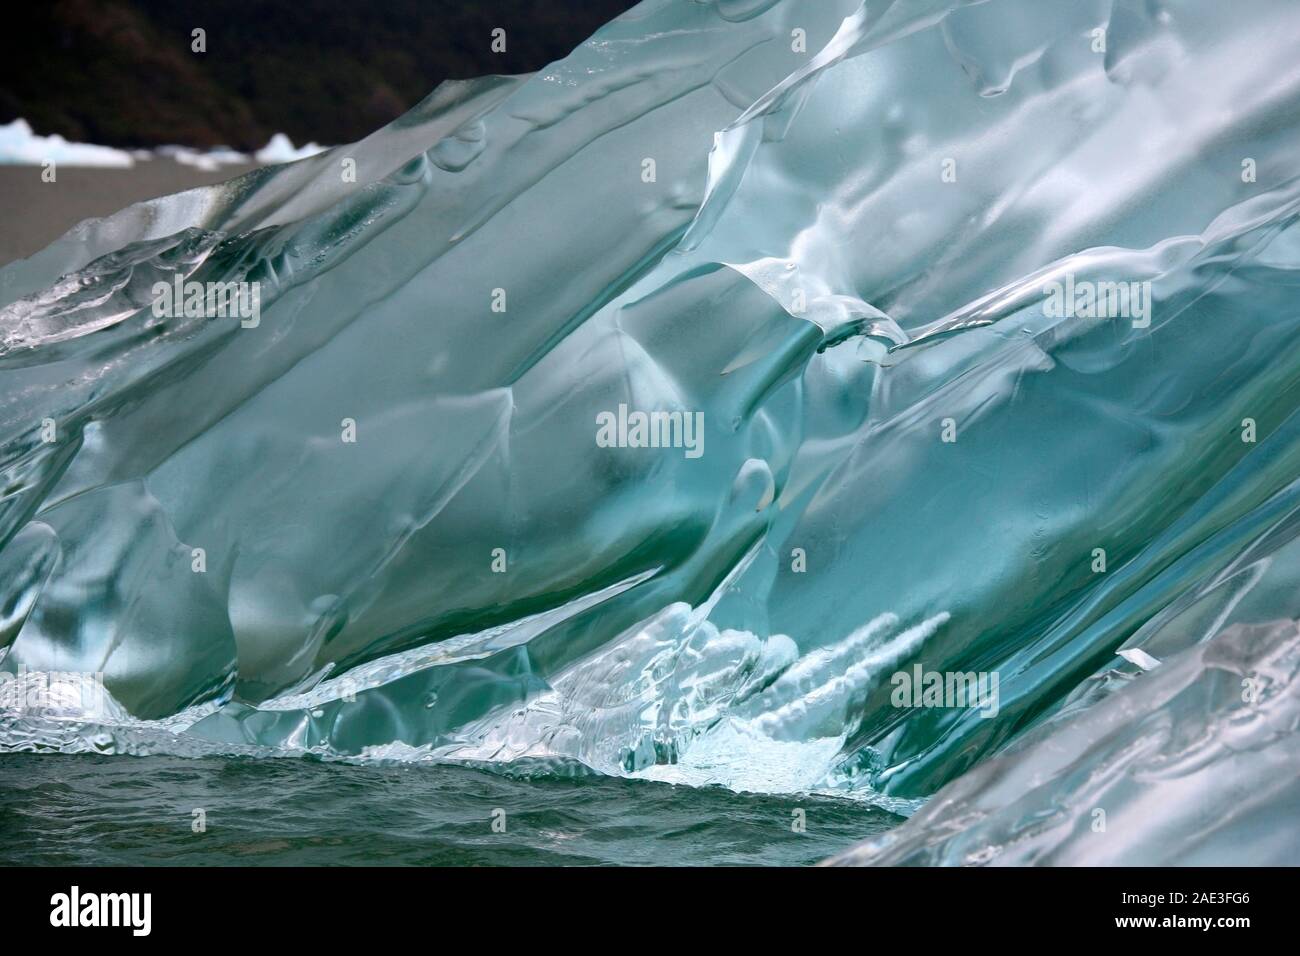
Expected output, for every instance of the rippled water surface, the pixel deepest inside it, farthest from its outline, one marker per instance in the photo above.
(92, 810)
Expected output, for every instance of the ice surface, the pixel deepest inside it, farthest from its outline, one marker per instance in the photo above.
(840, 260)
(1180, 768)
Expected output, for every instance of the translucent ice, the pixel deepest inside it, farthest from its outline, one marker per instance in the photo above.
(841, 233)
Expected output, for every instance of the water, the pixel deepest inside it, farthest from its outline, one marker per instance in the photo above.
(92, 810)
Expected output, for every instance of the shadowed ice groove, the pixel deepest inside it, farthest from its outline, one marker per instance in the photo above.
(829, 231)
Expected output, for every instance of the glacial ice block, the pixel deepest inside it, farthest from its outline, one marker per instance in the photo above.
(982, 316)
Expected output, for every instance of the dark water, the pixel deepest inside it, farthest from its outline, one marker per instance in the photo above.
(91, 810)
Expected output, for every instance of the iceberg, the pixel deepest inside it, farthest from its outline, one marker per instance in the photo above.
(652, 414)
(280, 149)
(20, 145)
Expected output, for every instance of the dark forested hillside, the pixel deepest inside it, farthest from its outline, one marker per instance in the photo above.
(122, 72)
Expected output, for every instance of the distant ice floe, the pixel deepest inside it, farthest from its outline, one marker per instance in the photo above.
(209, 161)
(21, 146)
(281, 150)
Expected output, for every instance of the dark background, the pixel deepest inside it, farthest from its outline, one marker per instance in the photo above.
(121, 72)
